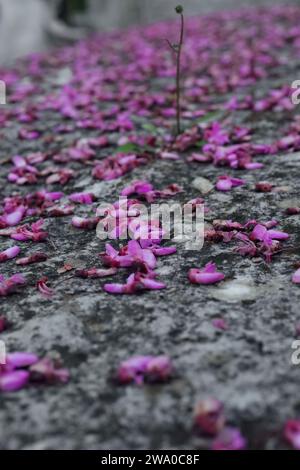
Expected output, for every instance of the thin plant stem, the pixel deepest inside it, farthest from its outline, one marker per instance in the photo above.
(178, 77)
(177, 49)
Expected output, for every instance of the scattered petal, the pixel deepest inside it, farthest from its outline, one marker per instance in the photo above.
(207, 275)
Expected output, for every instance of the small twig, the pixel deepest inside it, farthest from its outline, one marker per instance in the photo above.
(170, 45)
(179, 10)
(177, 49)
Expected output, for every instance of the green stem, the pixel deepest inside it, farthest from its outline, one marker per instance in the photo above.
(178, 71)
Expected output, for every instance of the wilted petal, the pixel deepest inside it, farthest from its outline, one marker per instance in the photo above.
(46, 370)
(293, 210)
(158, 369)
(35, 258)
(44, 289)
(95, 273)
(209, 416)
(263, 187)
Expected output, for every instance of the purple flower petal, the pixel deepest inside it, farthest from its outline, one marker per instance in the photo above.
(296, 277)
(209, 416)
(10, 253)
(292, 433)
(13, 381)
(19, 359)
(229, 439)
(82, 198)
(207, 275)
(220, 324)
(278, 235)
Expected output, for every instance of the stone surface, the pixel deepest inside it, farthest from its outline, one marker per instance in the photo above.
(248, 367)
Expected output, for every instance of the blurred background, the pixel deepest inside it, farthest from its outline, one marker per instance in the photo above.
(34, 25)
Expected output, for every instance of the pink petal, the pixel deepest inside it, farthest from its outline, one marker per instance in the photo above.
(220, 324)
(158, 369)
(149, 258)
(169, 156)
(95, 273)
(115, 288)
(20, 359)
(224, 184)
(13, 381)
(82, 198)
(14, 218)
(292, 433)
(18, 279)
(296, 277)
(134, 248)
(10, 253)
(258, 232)
(19, 161)
(110, 250)
(133, 370)
(253, 166)
(210, 267)
(208, 275)
(209, 416)
(88, 224)
(45, 370)
(278, 235)
(205, 278)
(153, 284)
(164, 251)
(229, 439)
